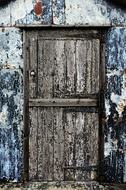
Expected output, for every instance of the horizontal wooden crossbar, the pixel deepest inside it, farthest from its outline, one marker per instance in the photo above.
(63, 102)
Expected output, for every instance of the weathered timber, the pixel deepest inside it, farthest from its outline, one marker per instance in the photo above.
(33, 66)
(78, 127)
(67, 67)
(62, 102)
(33, 145)
(62, 138)
(65, 125)
(45, 136)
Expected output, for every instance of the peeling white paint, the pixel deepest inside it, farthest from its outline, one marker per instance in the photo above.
(113, 72)
(110, 146)
(107, 108)
(14, 11)
(4, 117)
(7, 93)
(84, 12)
(11, 48)
(120, 100)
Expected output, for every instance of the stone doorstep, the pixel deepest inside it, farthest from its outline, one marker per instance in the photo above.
(53, 186)
(61, 186)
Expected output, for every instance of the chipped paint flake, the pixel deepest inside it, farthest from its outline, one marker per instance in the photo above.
(71, 12)
(11, 104)
(115, 130)
(58, 11)
(84, 12)
(11, 48)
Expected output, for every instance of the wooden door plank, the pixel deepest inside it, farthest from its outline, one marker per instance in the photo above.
(59, 69)
(69, 140)
(70, 46)
(46, 60)
(58, 144)
(33, 144)
(81, 147)
(45, 144)
(89, 78)
(87, 61)
(94, 143)
(81, 66)
(95, 66)
(33, 67)
(63, 102)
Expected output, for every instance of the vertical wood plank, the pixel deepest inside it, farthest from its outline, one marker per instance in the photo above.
(81, 64)
(95, 66)
(33, 144)
(45, 144)
(59, 69)
(46, 51)
(33, 68)
(81, 146)
(58, 144)
(89, 66)
(69, 141)
(94, 140)
(87, 60)
(70, 46)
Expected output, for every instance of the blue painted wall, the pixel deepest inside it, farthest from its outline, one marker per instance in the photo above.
(115, 129)
(11, 104)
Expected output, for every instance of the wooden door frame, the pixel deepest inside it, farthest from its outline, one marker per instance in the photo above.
(102, 30)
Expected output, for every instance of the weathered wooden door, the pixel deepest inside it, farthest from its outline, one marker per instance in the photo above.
(62, 82)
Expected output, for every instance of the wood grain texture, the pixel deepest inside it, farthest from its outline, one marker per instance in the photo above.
(58, 144)
(70, 47)
(33, 143)
(46, 57)
(87, 60)
(33, 67)
(45, 144)
(63, 102)
(80, 149)
(66, 126)
(63, 139)
(68, 68)
(59, 69)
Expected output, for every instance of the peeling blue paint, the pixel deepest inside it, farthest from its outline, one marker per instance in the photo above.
(58, 12)
(69, 12)
(32, 18)
(10, 125)
(11, 104)
(115, 130)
